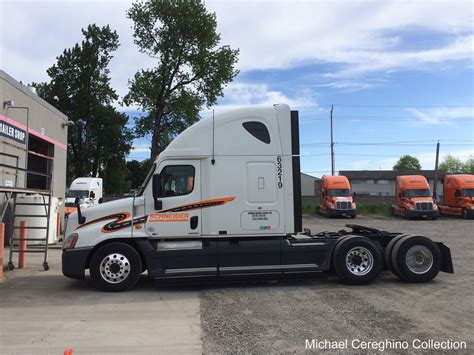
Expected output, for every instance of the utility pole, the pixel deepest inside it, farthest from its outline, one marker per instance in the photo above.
(435, 182)
(332, 144)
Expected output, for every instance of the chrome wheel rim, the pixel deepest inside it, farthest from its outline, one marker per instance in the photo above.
(359, 261)
(115, 268)
(419, 259)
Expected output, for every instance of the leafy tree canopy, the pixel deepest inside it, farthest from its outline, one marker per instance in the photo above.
(407, 162)
(451, 164)
(138, 171)
(191, 69)
(80, 88)
(469, 165)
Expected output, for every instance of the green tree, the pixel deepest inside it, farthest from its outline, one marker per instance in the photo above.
(116, 177)
(138, 171)
(191, 69)
(80, 88)
(407, 162)
(469, 165)
(451, 164)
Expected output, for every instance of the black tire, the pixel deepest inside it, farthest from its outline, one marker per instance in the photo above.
(405, 215)
(400, 264)
(354, 275)
(121, 279)
(339, 241)
(392, 211)
(464, 213)
(388, 251)
(353, 216)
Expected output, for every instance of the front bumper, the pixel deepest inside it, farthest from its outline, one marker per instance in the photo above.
(74, 262)
(422, 214)
(340, 213)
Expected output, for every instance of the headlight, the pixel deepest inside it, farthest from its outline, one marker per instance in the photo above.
(353, 206)
(411, 208)
(472, 207)
(332, 207)
(435, 207)
(70, 241)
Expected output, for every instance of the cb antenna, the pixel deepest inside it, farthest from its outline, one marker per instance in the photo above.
(213, 160)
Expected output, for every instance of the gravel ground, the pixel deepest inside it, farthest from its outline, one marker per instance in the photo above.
(269, 317)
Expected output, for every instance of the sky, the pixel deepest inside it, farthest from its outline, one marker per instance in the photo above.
(395, 71)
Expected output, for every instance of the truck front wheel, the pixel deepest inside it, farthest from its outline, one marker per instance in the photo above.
(357, 260)
(115, 267)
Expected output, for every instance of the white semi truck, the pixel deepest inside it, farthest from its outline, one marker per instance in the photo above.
(87, 189)
(223, 201)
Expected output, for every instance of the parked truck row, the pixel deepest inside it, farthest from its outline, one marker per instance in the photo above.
(413, 197)
(223, 201)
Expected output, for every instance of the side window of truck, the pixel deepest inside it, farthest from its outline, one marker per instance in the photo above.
(258, 130)
(176, 180)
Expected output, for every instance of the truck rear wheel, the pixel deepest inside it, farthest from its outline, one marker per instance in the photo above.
(115, 267)
(357, 260)
(388, 251)
(416, 259)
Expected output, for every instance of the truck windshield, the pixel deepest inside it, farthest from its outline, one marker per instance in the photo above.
(77, 193)
(418, 193)
(339, 193)
(468, 192)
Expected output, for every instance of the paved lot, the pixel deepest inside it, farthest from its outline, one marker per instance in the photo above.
(278, 317)
(43, 312)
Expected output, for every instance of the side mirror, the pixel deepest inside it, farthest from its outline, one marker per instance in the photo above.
(156, 186)
(80, 218)
(157, 192)
(92, 194)
(101, 200)
(353, 196)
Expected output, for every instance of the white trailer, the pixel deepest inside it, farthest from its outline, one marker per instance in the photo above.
(223, 200)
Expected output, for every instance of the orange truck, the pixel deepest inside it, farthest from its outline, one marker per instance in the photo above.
(336, 197)
(458, 191)
(414, 198)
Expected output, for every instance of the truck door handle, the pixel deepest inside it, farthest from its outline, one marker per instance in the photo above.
(194, 222)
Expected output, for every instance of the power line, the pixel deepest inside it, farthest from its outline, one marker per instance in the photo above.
(462, 142)
(394, 106)
(377, 155)
(390, 119)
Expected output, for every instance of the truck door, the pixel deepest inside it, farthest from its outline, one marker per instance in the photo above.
(174, 211)
(174, 220)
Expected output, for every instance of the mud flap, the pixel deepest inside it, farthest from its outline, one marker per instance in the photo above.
(446, 262)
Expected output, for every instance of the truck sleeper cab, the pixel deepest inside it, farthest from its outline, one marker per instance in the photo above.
(223, 200)
(336, 197)
(413, 198)
(458, 196)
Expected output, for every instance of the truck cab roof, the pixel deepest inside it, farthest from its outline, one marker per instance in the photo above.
(412, 182)
(460, 181)
(335, 182)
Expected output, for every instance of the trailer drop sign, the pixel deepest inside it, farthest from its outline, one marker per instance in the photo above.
(12, 132)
